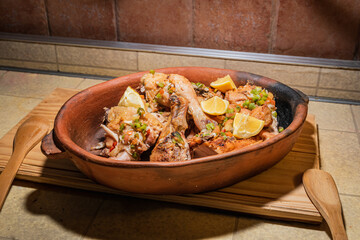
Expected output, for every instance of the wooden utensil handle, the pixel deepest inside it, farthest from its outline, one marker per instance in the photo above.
(50, 149)
(9, 173)
(336, 224)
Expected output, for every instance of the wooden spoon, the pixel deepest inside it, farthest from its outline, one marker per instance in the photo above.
(322, 191)
(26, 138)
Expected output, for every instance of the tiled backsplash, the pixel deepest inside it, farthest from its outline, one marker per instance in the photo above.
(325, 29)
(331, 82)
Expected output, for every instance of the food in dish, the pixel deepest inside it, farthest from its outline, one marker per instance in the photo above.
(168, 117)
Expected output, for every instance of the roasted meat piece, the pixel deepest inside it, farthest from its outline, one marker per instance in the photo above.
(172, 145)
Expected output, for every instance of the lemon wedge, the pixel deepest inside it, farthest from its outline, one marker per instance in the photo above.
(223, 84)
(131, 98)
(246, 126)
(214, 106)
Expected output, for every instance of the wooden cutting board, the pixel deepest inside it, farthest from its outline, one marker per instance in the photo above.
(275, 193)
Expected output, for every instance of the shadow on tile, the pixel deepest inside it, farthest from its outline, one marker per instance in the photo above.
(126, 217)
(86, 214)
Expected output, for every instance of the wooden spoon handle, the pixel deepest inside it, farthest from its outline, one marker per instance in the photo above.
(27, 136)
(8, 175)
(322, 191)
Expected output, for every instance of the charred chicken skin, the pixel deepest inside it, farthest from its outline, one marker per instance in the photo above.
(172, 145)
(171, 123)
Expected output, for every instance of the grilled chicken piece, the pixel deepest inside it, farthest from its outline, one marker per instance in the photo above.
(172, 145)
(163, 85)
(156, 88)
(263, 113)
(129, 134)
(184, 88)
(221, 145)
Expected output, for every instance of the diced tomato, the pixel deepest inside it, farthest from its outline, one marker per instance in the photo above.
(113, 146)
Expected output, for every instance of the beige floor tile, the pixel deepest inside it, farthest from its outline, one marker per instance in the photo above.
(287, 74)
(130, 218)
(148, 61)
(332, 116)
(47, 212)
(28, 64)
(94, 70)
(356, 112)
(351, 211)
(339, 79)
(97, 57)
(339, 94)
(14, 108)
(2, 72)
(310, 91)
(339, 152)
(33, 84)
(88, 83)
(27, 51)
(255, 228)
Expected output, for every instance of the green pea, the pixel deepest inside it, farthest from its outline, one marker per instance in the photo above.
(281, 129)
(229, 110)
(252, 106)
(122, 126)
(199, 85)
(260, 102)
(256, 97)
(161, 84)
(210, 126)
(246, 103)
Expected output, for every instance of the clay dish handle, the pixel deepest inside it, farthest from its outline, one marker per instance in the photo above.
(50, 149)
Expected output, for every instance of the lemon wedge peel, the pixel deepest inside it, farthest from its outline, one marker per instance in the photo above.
(223, 84)
(246, 126)
(131, 98)
(214, 106)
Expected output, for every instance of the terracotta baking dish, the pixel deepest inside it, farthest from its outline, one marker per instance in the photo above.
(76, 130)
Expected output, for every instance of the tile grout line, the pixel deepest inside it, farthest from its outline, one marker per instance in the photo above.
(233, 237)
(349, 195)
(93, 219)
(355, 123)
(9, 95)
(318, 82)
(57, 60)
(2, 74)
(273, 24)
(116, 15)
(335, 130)
(47, 18)
(192, 44)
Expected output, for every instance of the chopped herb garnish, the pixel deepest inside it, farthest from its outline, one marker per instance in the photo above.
(140, 111)
(246, 103)
(252, 106)
(158, 96)
(229, 110)
(210, 126)
(256, 97)
(122, 126)
(199, 85)
(177, 138)
(132, 146)
(238, 108)
(161, 84)
(260, 102)
(274, 113)
(135, 155)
